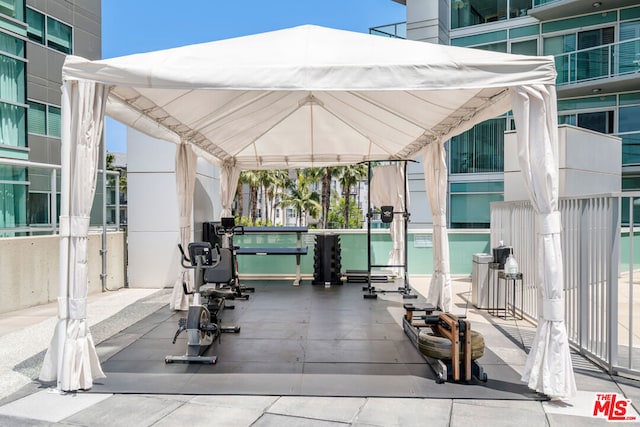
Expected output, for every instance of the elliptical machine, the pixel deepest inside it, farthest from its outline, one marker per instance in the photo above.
(228, 229)
(202, 323)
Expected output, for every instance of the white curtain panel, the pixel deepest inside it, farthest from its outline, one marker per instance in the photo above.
(435, 176)
(387, 189)
(229, 176)
(548, 368)
(71, 359)
(185, 184)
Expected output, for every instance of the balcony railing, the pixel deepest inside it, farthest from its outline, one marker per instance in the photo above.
(42, 218)
(398, 30)
(600, 62)
(537, 3)
(599, 270)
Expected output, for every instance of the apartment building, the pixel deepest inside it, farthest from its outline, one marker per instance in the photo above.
(596, 45)
(35, 37)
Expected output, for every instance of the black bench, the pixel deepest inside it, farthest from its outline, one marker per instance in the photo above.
(297, 251)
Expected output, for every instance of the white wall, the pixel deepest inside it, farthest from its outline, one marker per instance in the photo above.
(30, 268)
(153, 211)
(589, 164)
(428, 21)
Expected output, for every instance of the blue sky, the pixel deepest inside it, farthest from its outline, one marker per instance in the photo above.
(135, 26)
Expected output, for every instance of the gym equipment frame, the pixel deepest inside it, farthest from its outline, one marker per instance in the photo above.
(202, 323)
(387, 216)
(456, 330)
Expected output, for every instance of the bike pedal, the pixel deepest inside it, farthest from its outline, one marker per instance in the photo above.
(212, 327)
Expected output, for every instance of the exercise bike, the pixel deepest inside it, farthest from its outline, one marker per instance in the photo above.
(202, 323)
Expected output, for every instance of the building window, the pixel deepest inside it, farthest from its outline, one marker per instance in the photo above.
(629, 48)
(13, 194)
(629, 128)
(527, 47)
(599, 121)
(470, 203)
(494, 47)
(12, 79)
(49, 31)
(473, 12)
(11, 45)
(480, 149)
(53, 119)
(583, 55)
(37, 118)
(35, 26)
(12, 8)
(39, 208)
(12, 125)
(44, 119)
(59, 36)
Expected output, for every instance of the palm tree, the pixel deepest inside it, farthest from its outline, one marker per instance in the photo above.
(240, 195)
(279, 179)
(329, 173)
(270, 181)
(251, 178)
(349, 176)
(301, 197)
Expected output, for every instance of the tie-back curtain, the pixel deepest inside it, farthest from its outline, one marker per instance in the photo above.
(71, 359)
(548, 368)
(435, 176)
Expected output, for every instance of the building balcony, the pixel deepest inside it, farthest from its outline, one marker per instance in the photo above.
(603, 69)
(546, 10)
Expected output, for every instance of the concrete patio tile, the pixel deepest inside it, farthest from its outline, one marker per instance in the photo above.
(126, 410)
(48, 405)
(261, 403)
(197, 414)
(497, 413)
(274, 420)
(343, 409)
(404, 413)
(557, 420)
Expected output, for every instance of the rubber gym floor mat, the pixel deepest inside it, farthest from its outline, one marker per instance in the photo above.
(307, 340)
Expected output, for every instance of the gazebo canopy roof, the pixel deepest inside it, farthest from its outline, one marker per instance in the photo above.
(308, 95)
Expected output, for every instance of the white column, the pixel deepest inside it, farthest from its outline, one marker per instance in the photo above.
(428, 21)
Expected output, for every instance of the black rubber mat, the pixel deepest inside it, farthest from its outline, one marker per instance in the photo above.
(307, 340)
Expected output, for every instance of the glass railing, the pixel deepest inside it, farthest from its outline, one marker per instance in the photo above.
(27, 207)
(537, 3)
(598, 62)
(398, 30)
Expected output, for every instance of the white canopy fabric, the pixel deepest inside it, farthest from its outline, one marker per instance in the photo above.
(313, 96)
(387, 188)
(548, 369)
(71, 359)
(185, 184)
(435, 177)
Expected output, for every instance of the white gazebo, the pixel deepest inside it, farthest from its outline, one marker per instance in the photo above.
(299, 97)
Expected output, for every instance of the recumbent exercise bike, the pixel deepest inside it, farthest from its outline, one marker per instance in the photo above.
(202, 323)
